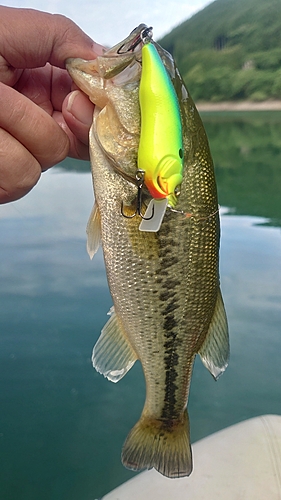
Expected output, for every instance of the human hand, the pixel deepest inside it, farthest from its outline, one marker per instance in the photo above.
(41, 120)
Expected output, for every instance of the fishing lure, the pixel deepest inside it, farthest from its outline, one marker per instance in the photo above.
(160, 153)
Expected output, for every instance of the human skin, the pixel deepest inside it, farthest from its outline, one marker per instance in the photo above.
(43, 118)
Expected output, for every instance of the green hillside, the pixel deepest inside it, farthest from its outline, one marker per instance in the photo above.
(231, 50)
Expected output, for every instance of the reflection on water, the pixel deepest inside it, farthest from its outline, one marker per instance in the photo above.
(246, 149)
(61, 424)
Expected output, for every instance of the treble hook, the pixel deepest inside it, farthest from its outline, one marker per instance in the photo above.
(139, 180)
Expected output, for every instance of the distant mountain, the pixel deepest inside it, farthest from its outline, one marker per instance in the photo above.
(230, 50)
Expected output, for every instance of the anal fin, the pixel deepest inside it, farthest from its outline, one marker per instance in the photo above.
(214, 352)
(113, 355)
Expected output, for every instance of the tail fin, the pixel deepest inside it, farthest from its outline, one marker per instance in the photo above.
(153, 443)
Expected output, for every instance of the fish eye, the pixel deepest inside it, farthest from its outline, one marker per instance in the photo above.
(181, 153)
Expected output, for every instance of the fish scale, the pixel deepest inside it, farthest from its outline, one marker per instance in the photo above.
(165, 284)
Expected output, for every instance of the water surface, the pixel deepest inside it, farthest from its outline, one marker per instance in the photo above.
(62, 425)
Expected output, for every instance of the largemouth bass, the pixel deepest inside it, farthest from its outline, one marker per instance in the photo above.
(164, 281)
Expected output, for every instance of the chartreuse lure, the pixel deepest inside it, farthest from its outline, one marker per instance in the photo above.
(160, 153)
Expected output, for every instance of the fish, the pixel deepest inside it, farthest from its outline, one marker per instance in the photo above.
(163, 277)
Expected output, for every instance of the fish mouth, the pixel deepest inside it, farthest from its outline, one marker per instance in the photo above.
(125, 52)
(133, 43)
(116, 59)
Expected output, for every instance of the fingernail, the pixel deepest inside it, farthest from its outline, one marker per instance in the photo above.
(80, 107)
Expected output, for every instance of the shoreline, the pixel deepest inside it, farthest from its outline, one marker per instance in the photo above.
(239, 106)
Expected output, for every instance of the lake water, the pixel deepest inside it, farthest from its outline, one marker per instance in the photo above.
(62, 425)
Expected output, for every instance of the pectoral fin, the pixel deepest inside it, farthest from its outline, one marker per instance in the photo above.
(113, 355)
(93, 231)
(214, 352)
